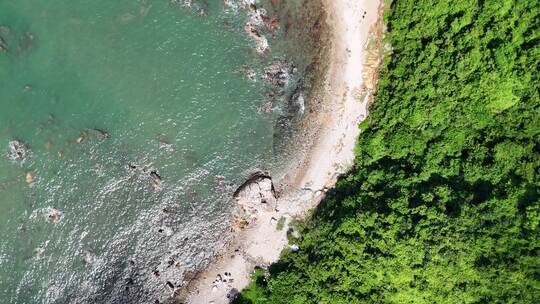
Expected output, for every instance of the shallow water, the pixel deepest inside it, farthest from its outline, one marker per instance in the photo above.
(163, 81)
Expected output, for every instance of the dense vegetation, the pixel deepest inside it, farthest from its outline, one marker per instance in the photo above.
(442, 205)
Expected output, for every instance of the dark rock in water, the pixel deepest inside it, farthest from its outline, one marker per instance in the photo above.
(257, 193)
(4, 33)
(3, 45)
(101, 133)
(156, 178)
(26, 42)
(296, 103)
(278, 73)
(17, 150)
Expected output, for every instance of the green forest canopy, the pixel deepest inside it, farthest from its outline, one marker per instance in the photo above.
(442, 205)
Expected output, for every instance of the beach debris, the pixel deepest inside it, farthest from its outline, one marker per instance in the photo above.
(60, 153)
(220, 279)
(294, 247)
(257, 193)
(29, 177)
(17, 150)
(227, 277)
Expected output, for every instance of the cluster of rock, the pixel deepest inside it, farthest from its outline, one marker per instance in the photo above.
(259, 22)
(257, 194)
(279, 73)
(26, 40)
(151, 173)
(17, 151)
(224, 279)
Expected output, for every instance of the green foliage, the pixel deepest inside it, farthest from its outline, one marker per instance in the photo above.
(254, 290)
(442, 205)
(281, 223)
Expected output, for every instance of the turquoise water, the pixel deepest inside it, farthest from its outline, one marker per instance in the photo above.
(163, 81)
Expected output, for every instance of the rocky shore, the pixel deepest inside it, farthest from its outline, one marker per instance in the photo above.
(332, 103)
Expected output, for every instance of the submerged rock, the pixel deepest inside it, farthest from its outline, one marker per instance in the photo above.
(101, 133)
(255, 26)
(29, 177)
(156, 178)
(297, 104)
(17, 150)
(278, 73)
(26, 42)
(257, 193)
(3, 45)
(4, 33)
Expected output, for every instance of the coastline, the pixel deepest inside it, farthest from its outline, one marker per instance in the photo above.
(347, 92)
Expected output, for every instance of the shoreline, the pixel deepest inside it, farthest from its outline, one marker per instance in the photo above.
(346, 96)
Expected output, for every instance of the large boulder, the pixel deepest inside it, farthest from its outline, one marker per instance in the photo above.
(257, 194)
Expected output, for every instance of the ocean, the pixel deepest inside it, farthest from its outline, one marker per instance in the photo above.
(138, 120)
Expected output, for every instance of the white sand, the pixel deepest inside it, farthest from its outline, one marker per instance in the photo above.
(261, 243)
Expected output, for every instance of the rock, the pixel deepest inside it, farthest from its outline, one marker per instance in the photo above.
(297, 103)
(278, 73)
(255, 26)
(88, 258)
(18, 151)
(261, 43)
(218, 180)
(53, 215)
(26, 42)
(257, 193)
(80, 138)
(3, 45)
(29, 177)
(4, 33)
(272, 24)
(295, 233)
(101, 133)
(156, 178)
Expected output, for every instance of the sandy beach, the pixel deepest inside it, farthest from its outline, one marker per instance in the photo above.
(347, 92)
